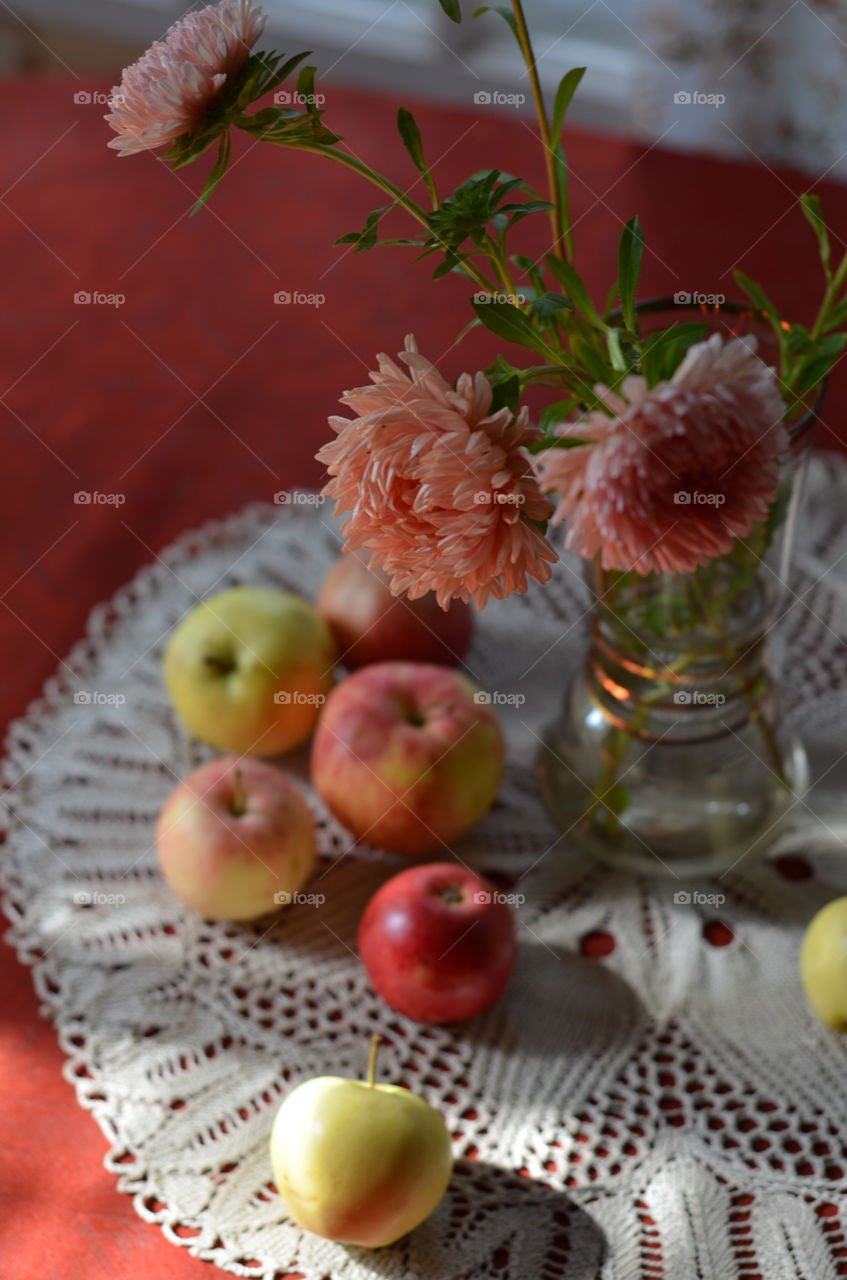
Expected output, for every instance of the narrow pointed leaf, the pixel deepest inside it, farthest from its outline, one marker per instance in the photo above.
(811, 207)
(567, 88)
(451, 8)
(630, 253)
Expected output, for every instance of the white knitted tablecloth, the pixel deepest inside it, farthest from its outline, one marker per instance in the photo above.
(670, 1109)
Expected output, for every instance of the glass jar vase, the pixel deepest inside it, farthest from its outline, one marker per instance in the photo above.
(671, 755)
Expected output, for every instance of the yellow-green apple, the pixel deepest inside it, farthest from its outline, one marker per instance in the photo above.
(372, 625)
(359, 1162)
(235, 839)
(438, 942)
(249, 669)
(823, 964)
(405, 757)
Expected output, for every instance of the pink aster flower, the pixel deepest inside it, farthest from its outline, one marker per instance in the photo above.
(440, 490)
(168, 91)
(677, 472)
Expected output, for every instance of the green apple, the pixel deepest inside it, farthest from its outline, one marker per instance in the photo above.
(248, 670)
(823, 964)
(358, 1162)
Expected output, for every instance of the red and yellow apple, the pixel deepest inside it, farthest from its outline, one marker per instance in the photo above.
(249, 669)
(359, 1162)
(438, 942)
(372, 625)
(235, 839)
(405, 757)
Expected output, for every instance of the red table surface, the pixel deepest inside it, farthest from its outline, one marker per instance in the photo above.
(199, 394)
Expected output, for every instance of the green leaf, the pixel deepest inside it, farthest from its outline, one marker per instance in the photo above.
(571, 281)
(664, 351)
(510, 323)
(451, 8)
(593, 362)
(811, 207)
(506, 14)
(566, 90)
(630, 253)
(837, 317)
(759, 298)
(814, 368)
(411, 136)
(507, 394)
(220, 168)
(547, 306)
(367, 237)
(558, 442)
(282, 73)
(552, 414)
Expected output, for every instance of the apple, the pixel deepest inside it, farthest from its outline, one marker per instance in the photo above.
(235, 839)
(823, 964)
(438, 942)
(249, 669)
(359, 1162)
(405, 757)
(372, 625)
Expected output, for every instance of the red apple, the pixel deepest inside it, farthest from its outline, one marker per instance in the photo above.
(438, 942)
(236, 839)
(405, 757)
(372, 625)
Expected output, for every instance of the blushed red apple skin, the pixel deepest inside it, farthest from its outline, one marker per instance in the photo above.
(405, 758)
(432, 959)
(372, 625)
(228, 866)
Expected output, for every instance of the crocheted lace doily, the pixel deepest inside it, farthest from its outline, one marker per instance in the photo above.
(651, 1098)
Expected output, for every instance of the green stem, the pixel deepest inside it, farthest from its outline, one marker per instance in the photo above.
(385, 184)
(556, 213)
(830, 297)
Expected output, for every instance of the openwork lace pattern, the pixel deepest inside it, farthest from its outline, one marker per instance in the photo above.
(652, 1098)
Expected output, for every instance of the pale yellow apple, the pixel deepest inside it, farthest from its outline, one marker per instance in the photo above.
(248, 670)
(823, 964)
(358, 1162)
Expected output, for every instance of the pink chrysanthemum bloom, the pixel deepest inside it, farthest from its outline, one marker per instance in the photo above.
(677, 472)
(440, 490)
(168, 91)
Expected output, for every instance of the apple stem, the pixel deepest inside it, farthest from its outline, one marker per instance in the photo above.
(376, 1041)
(238, 804)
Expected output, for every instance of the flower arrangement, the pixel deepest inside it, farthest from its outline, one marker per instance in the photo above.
(634, 417)
(448, 486)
